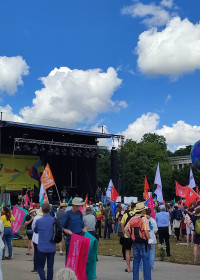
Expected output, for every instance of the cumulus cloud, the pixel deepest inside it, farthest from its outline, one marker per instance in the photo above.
(180, 134)
(147, 123)
(153, 15)
(74, 96)
(7, 114)
(11, 71)
(167, 3)
(173, 51)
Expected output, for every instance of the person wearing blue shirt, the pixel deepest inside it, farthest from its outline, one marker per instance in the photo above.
(72, 222)
(46, 249)
(162, 219)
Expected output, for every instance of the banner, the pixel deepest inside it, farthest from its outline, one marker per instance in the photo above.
(77, 257)
(191, 197)
(20, 215)
(47, 178)
(19, 170)
(92, 257)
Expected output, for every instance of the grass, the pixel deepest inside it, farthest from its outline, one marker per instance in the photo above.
(180, 253)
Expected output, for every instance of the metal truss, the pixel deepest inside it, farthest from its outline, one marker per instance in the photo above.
(52, 143)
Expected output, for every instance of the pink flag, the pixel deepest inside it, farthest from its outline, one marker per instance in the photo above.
(77, 257)
(150, 204)
(31, 205)
(26, 200)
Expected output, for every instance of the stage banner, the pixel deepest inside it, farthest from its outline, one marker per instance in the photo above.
(20, 215)
(19, 170)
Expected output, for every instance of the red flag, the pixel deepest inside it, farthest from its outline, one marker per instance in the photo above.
(47, 178)
(26, 200)
(85, 205)
(191, 196)
(146, 188)
(180, 190)
(114, 194)
(197, 190)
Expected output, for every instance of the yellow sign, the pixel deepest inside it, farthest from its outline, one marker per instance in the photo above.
(19, 171)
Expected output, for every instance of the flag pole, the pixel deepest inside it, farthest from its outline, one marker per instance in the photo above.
(58, 193)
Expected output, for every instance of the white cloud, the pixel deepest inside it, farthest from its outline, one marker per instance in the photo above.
(11, 71)
(7, 114)
(147, 123)
(173, 51)
(167, 3)
(74, 96)
(168, 98)
(178, 135)
(154, 15)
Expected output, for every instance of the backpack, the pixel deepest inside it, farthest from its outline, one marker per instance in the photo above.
(179, 215)
(128, 218)
(138, 233)
(57, 232)
(119, 230)
(197, 226)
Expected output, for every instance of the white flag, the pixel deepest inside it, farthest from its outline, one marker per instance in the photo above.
(192, 183)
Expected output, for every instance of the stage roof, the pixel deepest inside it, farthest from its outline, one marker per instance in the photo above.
(59, 130)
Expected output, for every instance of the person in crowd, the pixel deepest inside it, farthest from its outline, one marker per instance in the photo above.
(2, 246)
(153, 230)
(72, 222)
(59, 216)
(120, 233)
(29, 232)
(162, 219)
(196, 223)
(98, 194)
(35, 239)
(176, 219)
(7, 218)
(189, 227)
(45, 248)
(89, 222)
(99, 216)
(138, 229)
(108, 218)
(127, 240)
(116, 219)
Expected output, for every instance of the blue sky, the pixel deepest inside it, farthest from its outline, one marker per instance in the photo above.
(131, 66)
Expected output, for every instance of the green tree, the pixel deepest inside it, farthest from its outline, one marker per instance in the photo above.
(103, 168)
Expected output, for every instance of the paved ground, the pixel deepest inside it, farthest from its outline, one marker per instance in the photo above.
(107, 268)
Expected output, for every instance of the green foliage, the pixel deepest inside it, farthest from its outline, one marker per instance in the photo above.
(182, 151)
(103, 168)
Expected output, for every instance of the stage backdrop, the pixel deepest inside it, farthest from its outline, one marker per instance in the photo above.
(18, 171)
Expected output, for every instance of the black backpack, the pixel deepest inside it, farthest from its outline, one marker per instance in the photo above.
(57, 232)
(179, 215)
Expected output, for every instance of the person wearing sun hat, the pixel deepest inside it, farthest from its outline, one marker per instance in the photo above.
(72, 222)
(138, 229)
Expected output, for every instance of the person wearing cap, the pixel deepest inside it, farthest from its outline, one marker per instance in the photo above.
(142, 247)
(39, 214)
(72, 222)
(162, 219)
(59, 216)
(29, 232)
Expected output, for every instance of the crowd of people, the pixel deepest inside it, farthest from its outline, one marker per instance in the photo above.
(133, 223)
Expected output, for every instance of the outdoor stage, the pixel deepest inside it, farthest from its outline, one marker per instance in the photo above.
(25, 149)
